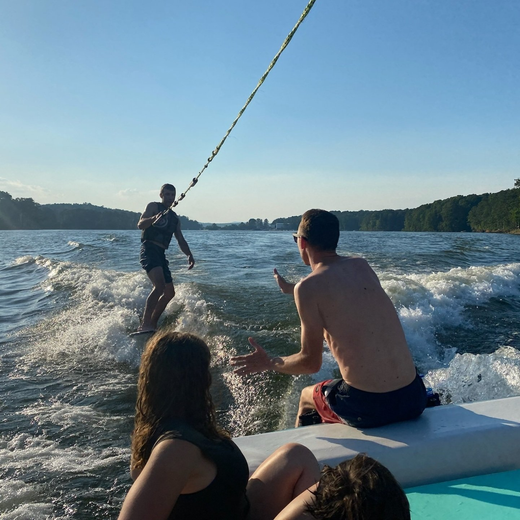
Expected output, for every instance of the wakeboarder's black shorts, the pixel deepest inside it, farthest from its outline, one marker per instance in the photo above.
(151, 256)
(336, 401)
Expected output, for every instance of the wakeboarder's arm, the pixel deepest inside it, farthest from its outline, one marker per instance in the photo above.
(150, 215)
(307, 361)
(285, 286)
(185, 248)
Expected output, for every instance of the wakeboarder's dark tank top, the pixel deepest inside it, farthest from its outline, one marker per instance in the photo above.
(162, 231)
(225, 498)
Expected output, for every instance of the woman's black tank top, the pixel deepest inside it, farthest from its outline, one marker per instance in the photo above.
(225, 498)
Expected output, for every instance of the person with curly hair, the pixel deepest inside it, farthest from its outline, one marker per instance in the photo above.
(356, 489)
(183, 464)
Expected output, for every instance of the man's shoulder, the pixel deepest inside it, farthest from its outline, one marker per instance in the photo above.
(153, 205)
(346, 268)
(350, 263)
(152, 208)
(310, 285)
(354, 263)
(354, 259)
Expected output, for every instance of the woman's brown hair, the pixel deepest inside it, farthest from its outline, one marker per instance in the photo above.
(174, 382)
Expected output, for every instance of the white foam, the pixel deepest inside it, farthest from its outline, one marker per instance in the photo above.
(29, 455)
(478, 377)
(242, 413)
(24, 260)
(87, 332)
(428, 303)
(104, 306)
(196, 316)
(36, 452)
(18, 499)
(252, 398)
(67, 415)
(31, 511)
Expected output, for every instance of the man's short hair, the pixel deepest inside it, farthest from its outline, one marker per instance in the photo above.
(320, 228)
(170, 187)
(359, 489)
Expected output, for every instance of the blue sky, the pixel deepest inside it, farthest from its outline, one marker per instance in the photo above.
(375, 103)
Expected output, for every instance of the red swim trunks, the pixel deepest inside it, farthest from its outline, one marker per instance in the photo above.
(321, 404)
(337, 402)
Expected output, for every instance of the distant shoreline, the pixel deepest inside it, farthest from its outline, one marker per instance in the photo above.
(486, 213)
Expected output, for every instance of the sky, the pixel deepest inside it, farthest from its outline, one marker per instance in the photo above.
(375, 104)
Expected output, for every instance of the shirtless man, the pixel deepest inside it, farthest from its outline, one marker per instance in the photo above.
(342, 301)
(158, 224)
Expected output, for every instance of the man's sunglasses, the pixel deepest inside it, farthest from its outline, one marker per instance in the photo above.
(296, 236)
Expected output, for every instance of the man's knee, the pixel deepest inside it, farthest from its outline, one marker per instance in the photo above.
(306, 398)
(307, 413)
(296, 452)
(158, 290)
(168, 291)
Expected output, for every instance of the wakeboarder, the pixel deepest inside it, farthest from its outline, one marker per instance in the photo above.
(159, 224)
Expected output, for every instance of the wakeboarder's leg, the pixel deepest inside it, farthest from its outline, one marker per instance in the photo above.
(306, 403)
(166, 297)
(156, 276)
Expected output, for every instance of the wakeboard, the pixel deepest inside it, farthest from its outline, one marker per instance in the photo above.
(142, 333)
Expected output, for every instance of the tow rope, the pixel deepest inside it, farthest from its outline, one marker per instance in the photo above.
(242, 110)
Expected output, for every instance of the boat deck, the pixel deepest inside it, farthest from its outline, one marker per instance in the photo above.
(444, 444)
(487, 497)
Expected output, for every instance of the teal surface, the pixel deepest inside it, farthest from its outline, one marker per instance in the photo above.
(495, 497)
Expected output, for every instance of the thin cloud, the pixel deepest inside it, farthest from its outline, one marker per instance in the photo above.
(18, 188)
(128, 193)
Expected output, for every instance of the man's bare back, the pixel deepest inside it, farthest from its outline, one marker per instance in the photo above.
(360, 324)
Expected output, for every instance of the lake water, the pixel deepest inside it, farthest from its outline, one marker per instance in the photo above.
(68, 368)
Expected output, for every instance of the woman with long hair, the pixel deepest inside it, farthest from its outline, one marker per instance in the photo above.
(183, 464)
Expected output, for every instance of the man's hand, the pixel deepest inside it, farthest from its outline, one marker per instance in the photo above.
(191, 261)
(157, 217)
(258, 361)
(285, 286)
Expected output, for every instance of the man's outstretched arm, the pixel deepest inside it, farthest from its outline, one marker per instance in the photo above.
(285, 286)
(307, 361)
(260, 361)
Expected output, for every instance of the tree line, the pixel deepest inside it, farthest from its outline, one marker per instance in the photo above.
(253, 224)
(489, 212)
(25, 213)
